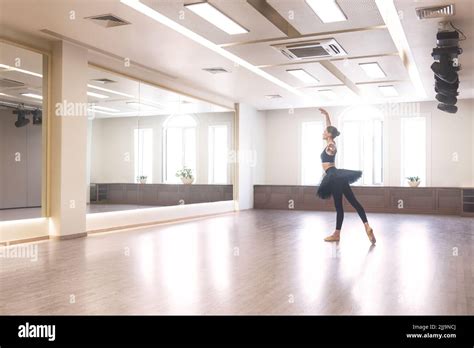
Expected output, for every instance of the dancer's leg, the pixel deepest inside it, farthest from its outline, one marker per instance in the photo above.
(337, 197)
(354, 202)
(360, 210)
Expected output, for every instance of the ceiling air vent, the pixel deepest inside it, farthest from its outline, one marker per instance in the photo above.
(216, 70)
(273, 96)
(7, 83)
(435, 11)
(311, 49)
(103, 81)
(108, 20)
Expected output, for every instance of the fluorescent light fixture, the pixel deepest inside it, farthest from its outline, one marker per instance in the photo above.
(104, 112)
(97, 95)
(373, 70)
(104, 108)
(327, 10)
(211, 14)
(143, 107)
(328, 93)
(158, 17)
(388, 91)
(110, 91)
(303, 75)
(32, 95)
(12, 68)
(10, 104)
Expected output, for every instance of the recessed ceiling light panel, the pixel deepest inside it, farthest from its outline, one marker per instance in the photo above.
(328, 94)
(373, 70)
(211, 14)
(388, 91)
(303, 75)
(327, 10)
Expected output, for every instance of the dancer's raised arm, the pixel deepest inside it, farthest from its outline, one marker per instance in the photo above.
(326, 115)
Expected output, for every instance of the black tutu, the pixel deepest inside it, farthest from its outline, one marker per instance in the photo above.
(334, 177)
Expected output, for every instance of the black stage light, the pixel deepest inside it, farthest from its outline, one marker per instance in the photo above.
(21, 118)
(447, 92)
(452, 109)
(444, 84)
(447, 38)
(446, 99)
(37, 116)
(450, 52)
(444, 70)
(446, 66)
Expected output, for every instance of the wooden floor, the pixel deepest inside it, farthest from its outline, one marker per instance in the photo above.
(252, 262)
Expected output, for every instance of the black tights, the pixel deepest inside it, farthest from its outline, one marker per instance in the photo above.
(343, 188)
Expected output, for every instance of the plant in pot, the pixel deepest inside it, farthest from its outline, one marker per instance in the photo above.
(142, 179)
(186, 175)
(413, 181)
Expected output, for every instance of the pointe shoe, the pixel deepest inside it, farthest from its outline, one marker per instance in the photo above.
(370, 234)
(332, 238)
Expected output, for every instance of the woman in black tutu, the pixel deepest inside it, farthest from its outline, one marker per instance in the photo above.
(336, 183)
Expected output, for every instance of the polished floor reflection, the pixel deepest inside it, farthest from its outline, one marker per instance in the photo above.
(252, 262)
(35, 212)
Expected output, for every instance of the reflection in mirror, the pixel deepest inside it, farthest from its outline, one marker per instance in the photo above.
(152, 147)
(21, 114)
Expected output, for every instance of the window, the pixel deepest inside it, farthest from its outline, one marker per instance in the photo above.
(143, 148)
(362, 144)
(413, 151)
(311, 145)
(218, 151)
(179, 146)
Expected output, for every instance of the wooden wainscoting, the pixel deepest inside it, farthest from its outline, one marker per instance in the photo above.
(419, 200)
(159, 194)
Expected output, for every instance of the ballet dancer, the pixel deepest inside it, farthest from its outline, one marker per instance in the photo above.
(336, 183)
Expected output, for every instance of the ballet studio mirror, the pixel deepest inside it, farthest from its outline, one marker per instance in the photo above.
(22, 136)
(151, 147)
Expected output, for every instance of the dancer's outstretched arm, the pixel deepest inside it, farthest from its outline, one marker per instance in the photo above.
(326, 115)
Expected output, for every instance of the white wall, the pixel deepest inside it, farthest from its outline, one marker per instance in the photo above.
(252, 129)
(112, 139)
(447, 134)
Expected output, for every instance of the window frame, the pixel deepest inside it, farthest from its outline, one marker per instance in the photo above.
(138, 167)
(165, 129)
(302, 157)
(371, 117)
(403, 175)
(210, 164)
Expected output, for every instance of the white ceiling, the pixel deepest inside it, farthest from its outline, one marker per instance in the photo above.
(140, 99)
(158, 47)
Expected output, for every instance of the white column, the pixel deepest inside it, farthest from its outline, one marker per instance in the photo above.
(251, 142)
(68, 178)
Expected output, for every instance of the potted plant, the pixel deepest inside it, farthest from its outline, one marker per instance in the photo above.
(413, 181)
(142, 179)
(186, 175)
